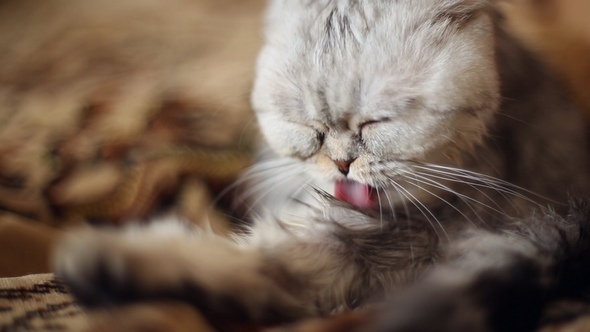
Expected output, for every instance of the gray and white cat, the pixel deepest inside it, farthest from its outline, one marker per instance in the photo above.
(442, 144)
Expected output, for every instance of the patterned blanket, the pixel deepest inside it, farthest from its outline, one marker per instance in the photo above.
(41, 303)
(114, 122)
(38, 303)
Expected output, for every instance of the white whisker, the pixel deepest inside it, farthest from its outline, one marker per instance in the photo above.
(380, 209)
(263, 185)
(412, 199)
(464, 198)
(420, 179)
(270, 191)
(254, 171)
(476, 184)
(264, 178)
(391, 207)
(484, 180)
(495, 180)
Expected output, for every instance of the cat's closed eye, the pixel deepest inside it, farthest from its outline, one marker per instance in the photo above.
(294, 139)
(372, 122)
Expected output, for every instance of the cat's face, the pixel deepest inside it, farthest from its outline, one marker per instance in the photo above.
(364, 89)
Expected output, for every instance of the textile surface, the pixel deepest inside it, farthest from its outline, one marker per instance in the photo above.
(113, 111)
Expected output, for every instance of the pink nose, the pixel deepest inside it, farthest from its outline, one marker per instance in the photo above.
(343, 165)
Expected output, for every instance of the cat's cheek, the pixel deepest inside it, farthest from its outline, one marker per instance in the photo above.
(290, 139)
(406, 140)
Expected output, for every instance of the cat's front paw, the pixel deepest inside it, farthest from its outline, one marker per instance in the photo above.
(222, 280)
(95, 270)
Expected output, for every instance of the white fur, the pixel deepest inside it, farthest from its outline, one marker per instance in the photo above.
(384, 64)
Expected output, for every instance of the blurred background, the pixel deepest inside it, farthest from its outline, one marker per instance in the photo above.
(559, 32)
(113, 110)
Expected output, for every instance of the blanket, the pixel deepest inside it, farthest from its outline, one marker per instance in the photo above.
(113, 111)
(41, 303)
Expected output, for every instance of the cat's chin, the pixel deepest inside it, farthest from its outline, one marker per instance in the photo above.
(355, 193)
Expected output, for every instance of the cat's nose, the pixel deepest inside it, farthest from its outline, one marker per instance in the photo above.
(343, 165)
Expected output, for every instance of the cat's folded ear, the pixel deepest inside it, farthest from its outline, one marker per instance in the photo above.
(277, 13)
(461, 12)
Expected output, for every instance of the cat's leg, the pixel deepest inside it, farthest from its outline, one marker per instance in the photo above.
(167, 260)
(499, 282)
(277, 274)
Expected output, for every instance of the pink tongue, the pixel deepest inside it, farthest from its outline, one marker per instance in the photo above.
(355, 193)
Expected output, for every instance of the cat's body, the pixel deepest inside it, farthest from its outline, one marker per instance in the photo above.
(460, 131)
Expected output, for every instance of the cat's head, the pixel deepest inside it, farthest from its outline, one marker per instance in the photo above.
(360, 89)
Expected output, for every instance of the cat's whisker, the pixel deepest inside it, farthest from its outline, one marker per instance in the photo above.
(315, 193)
(405, 205)
(270, 165)
(476, 184)
(253, 190)
(527, 123)
(269, 174)
(239, 221)
(380, 209)
(421, 207)
(405, 194)
(305, 185)
(394, 213)
(251, 123)
(391, 207)
(471, 202)
(490, 164)
(264, 185)
(403, 200)
(251, 173)
(503, 183)
(455, 179)
(428, 177)
(421, 179)
(487, 181)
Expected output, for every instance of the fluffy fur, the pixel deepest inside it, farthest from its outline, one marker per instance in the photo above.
(461, 134)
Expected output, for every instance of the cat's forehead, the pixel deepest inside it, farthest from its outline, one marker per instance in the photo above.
(330, 54)
(331, 37)
(334, 23)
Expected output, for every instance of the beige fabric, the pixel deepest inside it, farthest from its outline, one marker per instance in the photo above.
(114, 110)
(38, 303)
(109, 111)
(107, 107)
(24, 246)
(41, 303)
(578, 325)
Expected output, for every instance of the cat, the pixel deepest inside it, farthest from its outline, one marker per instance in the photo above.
(449, 155)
